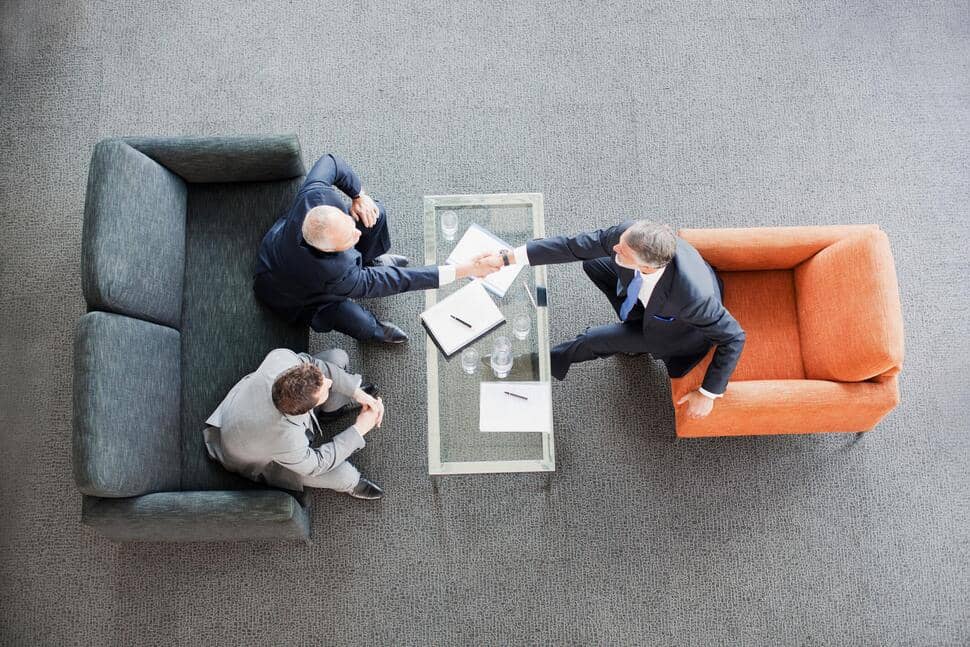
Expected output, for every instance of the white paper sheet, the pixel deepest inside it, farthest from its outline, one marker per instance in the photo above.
(477, 240)
(499, 411)
(470, 303)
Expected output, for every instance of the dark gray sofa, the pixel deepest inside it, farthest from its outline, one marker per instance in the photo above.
(171, 230)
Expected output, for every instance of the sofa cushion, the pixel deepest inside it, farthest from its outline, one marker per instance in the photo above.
(849, 313)
(132, 254)
(126, 406)
(226, 332)
(226, 159)
(764, 305)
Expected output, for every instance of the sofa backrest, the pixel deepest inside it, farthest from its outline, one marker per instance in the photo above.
(133, 240)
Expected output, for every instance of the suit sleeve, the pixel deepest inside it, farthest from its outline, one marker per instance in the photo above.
(581, 247)
(331, 170)
(370, 282)
(314, 462)
(722, 330)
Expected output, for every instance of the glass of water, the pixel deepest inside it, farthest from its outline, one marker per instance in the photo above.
(469, 360)
(501, 359)
(521, 326)
(449, 224)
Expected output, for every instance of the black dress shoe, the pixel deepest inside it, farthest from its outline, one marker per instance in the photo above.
(391, 334)
(366, 490)
(391, 260)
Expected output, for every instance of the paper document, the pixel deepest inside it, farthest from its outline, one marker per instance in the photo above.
(471, 305)
(477, 240)
(500, 411)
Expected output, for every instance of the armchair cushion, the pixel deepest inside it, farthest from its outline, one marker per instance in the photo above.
(226, 159)
(133, 241)
(849, 313)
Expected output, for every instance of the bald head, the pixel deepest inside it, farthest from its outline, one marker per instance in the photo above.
(329, 229)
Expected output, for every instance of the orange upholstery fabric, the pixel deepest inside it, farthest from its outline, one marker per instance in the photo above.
(765, 248)
(848, 308)
(820, 303)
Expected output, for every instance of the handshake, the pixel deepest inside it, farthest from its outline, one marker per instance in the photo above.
(481, 266)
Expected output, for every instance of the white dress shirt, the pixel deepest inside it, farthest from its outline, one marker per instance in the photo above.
(521, 257)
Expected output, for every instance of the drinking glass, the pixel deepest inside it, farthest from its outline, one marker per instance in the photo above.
(469, 360)
(501, 361)
(449, 224)
(501, 343)
(521, 326)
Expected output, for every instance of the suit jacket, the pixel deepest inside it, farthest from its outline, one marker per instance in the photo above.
(295, 279)
(684, 316)
(251, 437)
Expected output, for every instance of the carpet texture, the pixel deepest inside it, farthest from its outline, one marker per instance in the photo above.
(701, 114)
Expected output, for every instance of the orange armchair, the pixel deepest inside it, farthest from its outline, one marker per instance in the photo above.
(820, 309)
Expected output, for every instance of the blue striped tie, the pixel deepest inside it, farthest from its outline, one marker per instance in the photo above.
(632, 294)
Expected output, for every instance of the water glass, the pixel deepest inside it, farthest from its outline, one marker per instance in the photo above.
(449, 224)
(501, 343)
(469, 360)
(501, 361)
(521, 326)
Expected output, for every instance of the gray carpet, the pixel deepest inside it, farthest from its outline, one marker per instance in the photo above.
(701, 114)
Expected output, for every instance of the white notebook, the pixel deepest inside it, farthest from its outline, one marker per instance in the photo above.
(500, 411)
(470, 304)
(475, 241)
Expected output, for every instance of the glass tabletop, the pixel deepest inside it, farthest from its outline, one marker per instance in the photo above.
(455, 444)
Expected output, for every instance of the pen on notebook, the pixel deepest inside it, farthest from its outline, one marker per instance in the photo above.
(461, 321)
(516, 395)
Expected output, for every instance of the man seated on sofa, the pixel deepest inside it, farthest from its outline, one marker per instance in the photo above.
(264, 427)
(320, 256)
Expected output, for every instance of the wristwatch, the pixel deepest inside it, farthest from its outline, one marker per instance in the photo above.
(505, 256)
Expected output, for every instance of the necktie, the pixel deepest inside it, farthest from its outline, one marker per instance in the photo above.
(632, 294)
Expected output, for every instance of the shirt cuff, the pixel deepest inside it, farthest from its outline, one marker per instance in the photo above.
(446, 274)
(521, 255)
(712, 396)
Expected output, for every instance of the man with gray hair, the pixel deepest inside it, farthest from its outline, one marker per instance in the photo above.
(668, 300)
(320, 256)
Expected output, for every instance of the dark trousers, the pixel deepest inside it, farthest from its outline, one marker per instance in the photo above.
(602, 341)
(349, 317)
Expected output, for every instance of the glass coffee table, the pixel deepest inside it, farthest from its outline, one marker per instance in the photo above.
(455, 444)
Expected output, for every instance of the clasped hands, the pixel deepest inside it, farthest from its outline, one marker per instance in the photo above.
(371, 413)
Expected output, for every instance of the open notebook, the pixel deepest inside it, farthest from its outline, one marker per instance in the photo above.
(475, 241)
(470, 304)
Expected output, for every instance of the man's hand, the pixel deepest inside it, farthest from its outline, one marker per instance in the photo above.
(481, 265)
(364, 210)
(367, 400)
(369, 417)
(698, 404)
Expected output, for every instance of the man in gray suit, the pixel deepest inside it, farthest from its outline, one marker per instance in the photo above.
(264, 427)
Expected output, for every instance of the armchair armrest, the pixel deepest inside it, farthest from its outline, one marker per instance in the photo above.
(766, 248)
(760, 407)
(220, 515)
(225, 159)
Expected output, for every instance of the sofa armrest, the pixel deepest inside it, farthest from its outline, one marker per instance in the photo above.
(766, 248)
(761, 407)
(225, 159)
(218, 515)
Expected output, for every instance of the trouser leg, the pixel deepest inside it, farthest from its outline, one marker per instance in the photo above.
(336, 400)
(375, 240)
(599, 341)
(342, 478)
(347, 317)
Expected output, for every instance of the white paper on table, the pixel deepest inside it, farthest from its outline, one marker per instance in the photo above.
(477, 240)
(499, 411)
(470, 303)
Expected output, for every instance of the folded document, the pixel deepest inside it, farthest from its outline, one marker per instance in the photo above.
(478, 240)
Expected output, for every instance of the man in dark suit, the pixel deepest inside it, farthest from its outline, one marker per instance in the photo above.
(318, 257)
(667, 297)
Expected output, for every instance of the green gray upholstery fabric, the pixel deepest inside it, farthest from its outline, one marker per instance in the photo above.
(126, 406)
(226, 332)
(226, 159)
(198, 516)
(132, 256)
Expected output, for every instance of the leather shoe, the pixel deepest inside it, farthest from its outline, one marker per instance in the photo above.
(366, 490)
(390, 334)
(391, 260)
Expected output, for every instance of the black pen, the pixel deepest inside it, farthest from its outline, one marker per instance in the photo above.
(462, 321)
(516, 395)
